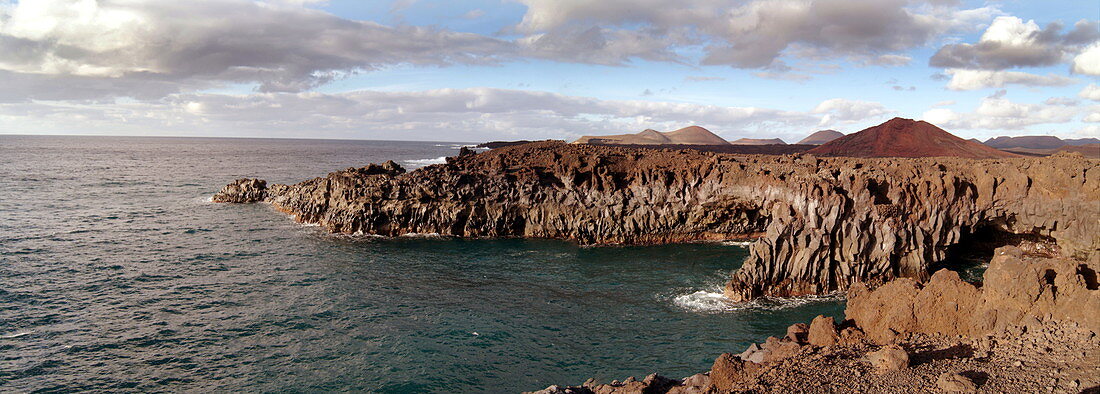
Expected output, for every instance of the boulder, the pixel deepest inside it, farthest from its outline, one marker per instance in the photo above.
(797, 333)
(776, 349)
(950, 382)
(822, 332)
(694, 384)
(729, 372)
(889, 358)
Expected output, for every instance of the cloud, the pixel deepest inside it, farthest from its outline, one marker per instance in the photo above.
(1009, 42)
(1088, 61)
(998, 113)
(1088, 131)
(1090, 92)
(702, 78)
(281, 46)
(450, 114)
(753, 34)
(890, 60)
(981, 79)
(473, 14)
(1065, 101)
(844, 111)
(597, 46)
(1092, 117)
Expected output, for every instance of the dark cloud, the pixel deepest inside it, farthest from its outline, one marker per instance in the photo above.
(1010, 42)
(752, 34)
(283, 48)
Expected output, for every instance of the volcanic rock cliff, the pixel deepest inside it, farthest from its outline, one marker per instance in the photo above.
(822, 223)
(1031, 326)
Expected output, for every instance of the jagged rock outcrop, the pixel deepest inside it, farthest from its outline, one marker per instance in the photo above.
(822, 223)
(1033, 321)
(242, 191)
(1018, 290)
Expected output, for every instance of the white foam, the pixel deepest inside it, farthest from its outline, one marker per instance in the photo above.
(743, 244)
(713, 301)
(703, 301)
(16, 335)
(421, 235)
(417, 163)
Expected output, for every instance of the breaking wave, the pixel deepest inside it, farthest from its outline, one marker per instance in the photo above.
(712, 300)
(417, 163)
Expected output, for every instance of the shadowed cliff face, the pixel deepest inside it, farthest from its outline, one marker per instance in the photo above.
(822, 223)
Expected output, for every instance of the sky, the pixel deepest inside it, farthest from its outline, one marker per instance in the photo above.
(480, 70)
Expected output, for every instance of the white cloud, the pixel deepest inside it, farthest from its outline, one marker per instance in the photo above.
(891, 60)
(281, 45)
(1010, 42)
(1088, 61)
(1090, 92)
(751, 34)
(702, 78)
(844, 111)
(1065, 101)
(981, 79)
(998, 113)
(1088, 131)
(452, 114)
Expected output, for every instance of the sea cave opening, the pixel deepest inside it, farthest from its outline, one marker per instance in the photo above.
(971, 255)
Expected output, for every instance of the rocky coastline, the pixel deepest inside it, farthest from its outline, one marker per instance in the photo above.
(1030, 326)
(820, 224)
(876, 228)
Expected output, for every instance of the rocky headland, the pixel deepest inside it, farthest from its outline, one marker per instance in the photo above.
(820, 224)
(876, 228)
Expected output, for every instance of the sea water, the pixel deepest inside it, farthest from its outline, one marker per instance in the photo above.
(118, 274)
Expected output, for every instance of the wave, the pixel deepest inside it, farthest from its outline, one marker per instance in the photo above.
(743, 244)
(713, 301)
(16, 335)
(460, 146)
(417, 163)
(421, 235)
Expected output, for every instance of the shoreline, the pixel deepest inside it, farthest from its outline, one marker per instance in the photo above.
(822, 223)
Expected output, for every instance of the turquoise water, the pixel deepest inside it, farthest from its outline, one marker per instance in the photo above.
(118, 275)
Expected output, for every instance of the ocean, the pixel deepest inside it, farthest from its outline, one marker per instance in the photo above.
(118, 274)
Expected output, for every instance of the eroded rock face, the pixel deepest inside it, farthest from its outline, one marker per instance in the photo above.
(242, 191)
(1032, 318)
(1018, 290)
(822, 223)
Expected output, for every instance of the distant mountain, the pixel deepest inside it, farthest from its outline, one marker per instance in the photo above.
(1087, 150)
(1082, 141)
(691, 135)
(1027, 141)
(758, 141)
(821, 137)
(900, 137)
